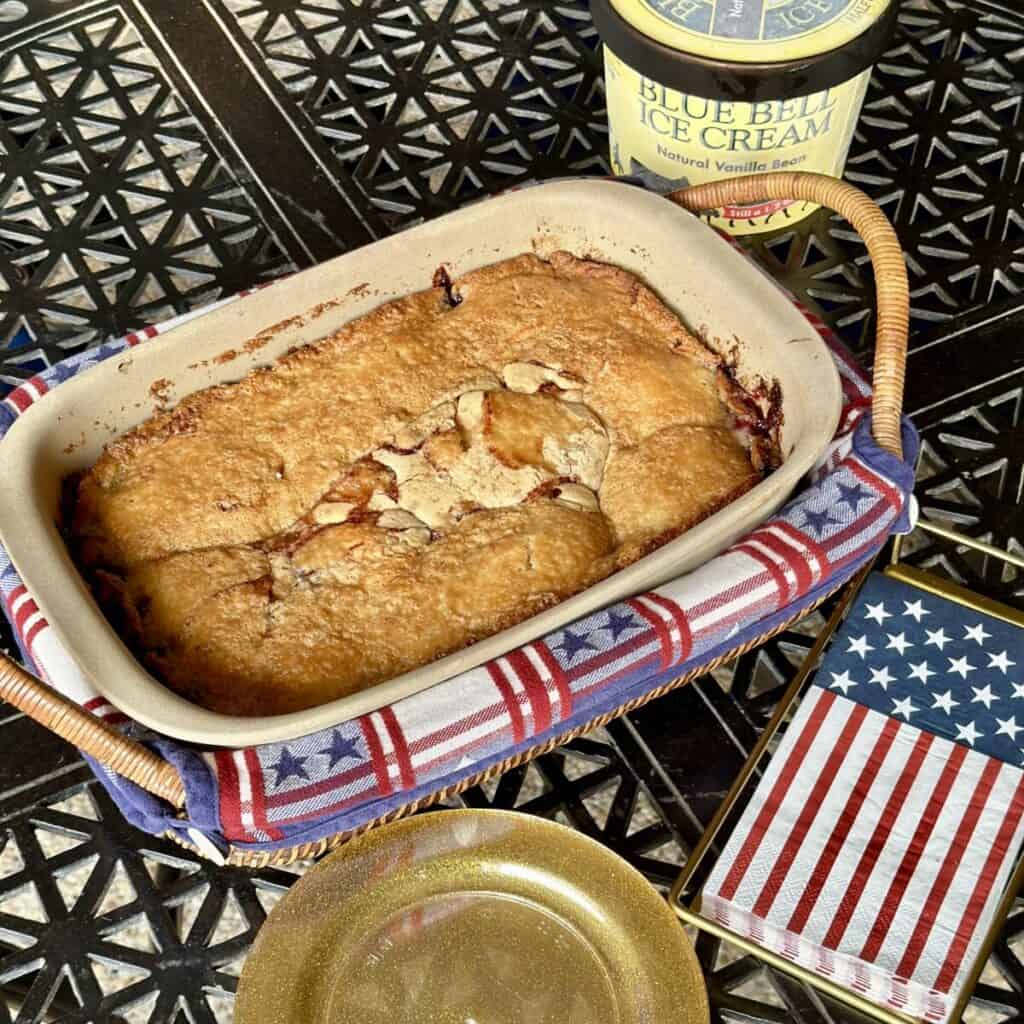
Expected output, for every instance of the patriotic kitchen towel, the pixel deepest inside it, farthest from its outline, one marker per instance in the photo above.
(285, 794)
(876, 847)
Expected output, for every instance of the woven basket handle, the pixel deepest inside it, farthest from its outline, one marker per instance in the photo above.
(892, 289)
(92, 736)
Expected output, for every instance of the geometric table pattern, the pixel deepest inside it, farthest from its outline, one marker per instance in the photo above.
(155, 155)
(115, 208)
(424, 106)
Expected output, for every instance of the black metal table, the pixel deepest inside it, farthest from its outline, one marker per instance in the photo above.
(156, 154)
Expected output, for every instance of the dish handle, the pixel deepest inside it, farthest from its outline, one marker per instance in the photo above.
(891, 285)
(92, 736)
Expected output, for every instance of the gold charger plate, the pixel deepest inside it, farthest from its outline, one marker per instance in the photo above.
(472, 917)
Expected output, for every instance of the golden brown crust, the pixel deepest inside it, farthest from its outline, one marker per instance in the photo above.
(446, 466)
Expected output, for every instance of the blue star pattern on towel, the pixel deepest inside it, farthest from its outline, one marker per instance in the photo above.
(340, 748)
(936, 664)
(818, 520)
(61, 373)
(288, 764)
(619, 623)
(572, 643)
(595, 635)
(852, 496)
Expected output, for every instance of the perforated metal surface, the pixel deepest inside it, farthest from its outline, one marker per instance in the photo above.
(117, 206)
(427, 105)
(972, 464)
(939, 146)
(154, 154)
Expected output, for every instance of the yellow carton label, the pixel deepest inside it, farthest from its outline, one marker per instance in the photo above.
(671, 139)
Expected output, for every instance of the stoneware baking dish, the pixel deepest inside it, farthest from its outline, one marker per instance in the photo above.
(714, 289)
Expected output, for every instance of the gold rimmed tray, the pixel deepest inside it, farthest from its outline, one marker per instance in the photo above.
(490, 917)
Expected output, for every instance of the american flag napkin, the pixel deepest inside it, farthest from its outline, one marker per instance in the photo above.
(877, 845)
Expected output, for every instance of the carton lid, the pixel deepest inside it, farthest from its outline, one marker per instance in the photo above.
(752, 31)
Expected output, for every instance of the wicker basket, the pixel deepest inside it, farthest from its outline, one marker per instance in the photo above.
(135, 762)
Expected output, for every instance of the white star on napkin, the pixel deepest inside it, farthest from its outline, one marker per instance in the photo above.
(842, 681)
(915, 609)
(921, 671)
(968, 732)
(961, 666)
(859, 646)
(898, 642)
(903, 707)
(877, 612)
(977, 633)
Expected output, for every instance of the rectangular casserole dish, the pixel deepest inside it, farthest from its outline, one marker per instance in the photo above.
(714, 290)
